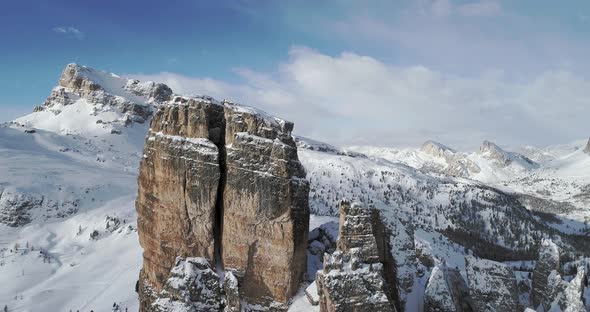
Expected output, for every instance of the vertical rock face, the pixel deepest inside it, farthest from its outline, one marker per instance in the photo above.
(223, 182)
(548, 262)
(265, 206)
(354, 277)
(178, 185)
(587, 149)
(446, 291)
(492, 285)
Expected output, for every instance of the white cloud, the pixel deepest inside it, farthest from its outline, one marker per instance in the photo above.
(466, 39)
(355, 99)
(70, 31)
(482, 8)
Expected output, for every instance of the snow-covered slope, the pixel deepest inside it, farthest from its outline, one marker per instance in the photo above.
(484, 220)
(68, 182)
(558, 175)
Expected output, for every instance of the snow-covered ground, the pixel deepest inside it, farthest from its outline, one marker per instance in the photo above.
(560, 173)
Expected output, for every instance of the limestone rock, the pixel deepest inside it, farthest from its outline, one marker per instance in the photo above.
(437, 150)
(106, 92)
(265, 206)
(354, 278)
(446, 291)
(548, 261)
(492, 285)
(178, 187)
(192, 286)
(223, 182)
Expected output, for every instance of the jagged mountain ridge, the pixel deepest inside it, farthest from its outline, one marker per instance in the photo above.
(489, 164)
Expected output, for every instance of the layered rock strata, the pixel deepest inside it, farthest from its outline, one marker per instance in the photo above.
(132, 98)
(223, 182)
(360, 275)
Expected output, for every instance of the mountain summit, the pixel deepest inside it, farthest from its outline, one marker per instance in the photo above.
(93, 102)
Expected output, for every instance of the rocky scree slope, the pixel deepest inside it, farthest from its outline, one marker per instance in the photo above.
(222, 182)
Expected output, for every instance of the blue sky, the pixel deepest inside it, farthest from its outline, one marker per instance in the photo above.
(479, 58)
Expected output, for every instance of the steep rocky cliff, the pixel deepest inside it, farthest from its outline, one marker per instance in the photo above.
(223, 182)
(548, 262)
(360, 275)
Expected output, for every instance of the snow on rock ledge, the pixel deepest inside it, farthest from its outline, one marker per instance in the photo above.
(354, 277)
(192, 286)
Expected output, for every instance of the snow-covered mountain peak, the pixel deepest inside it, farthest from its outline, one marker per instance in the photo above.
(92, 102)
(437, 149)
(492, 151)
(504, 158)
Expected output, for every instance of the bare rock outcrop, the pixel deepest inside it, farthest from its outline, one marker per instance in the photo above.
(587, 148)
(265, 206)
(193, 286)
(548, 261)
(446, 291)
(132, 98)
(360, 275)
(223, 182)
(178, 186)
(492, 285)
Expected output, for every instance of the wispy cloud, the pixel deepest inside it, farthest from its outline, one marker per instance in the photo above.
(70, 32)
(358, 99)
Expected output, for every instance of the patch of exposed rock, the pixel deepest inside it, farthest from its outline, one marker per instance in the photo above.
(492, 285)
(547, 263)
(458, 164)
(360, 275)
(587, 149)
(192, 286)
(446, 291)
(223, 182)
